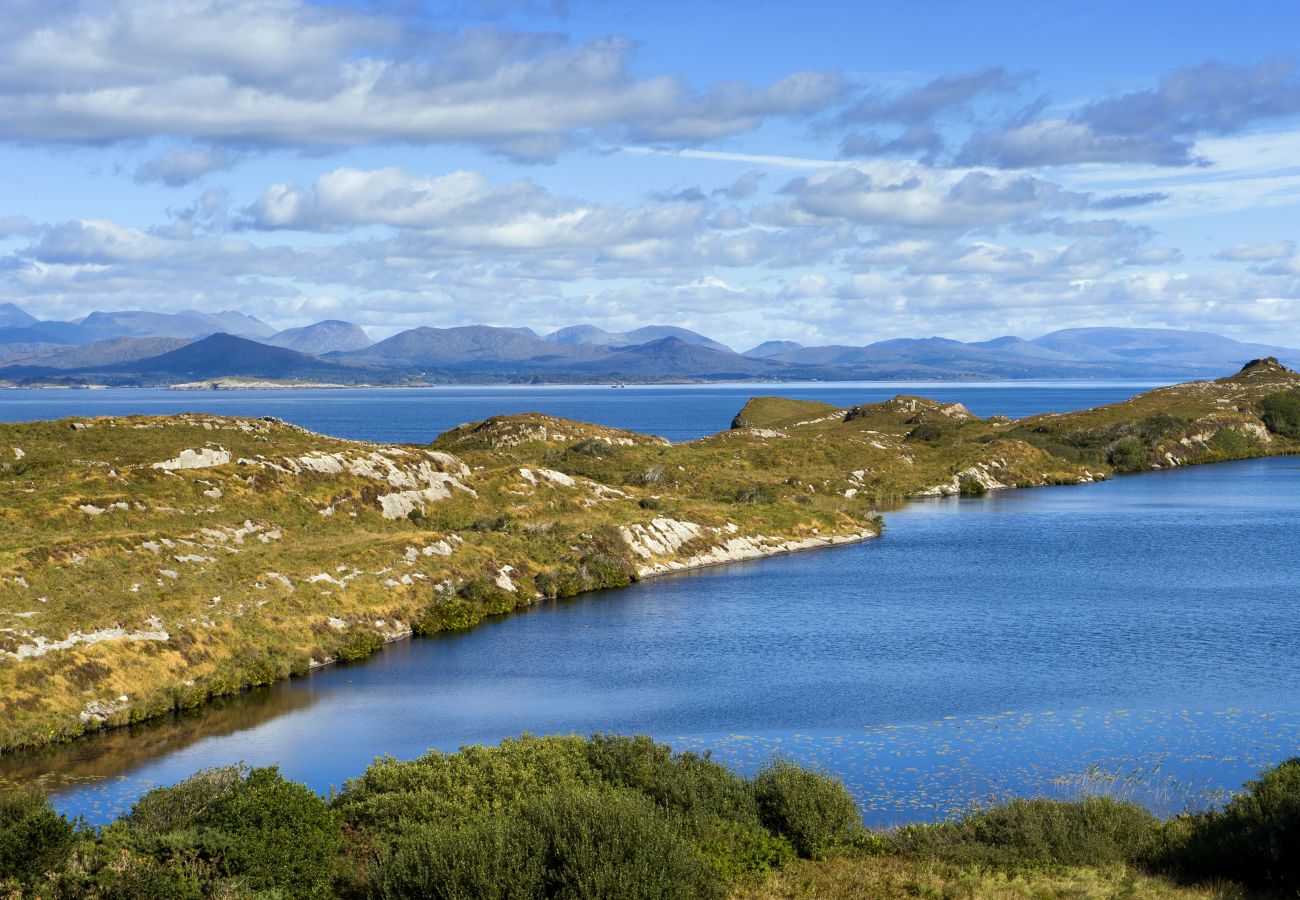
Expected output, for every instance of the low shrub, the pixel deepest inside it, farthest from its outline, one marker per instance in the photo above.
(249, 827)
(1254, 840)
(569, 842)
(1129, 455)
(452, 614)
(812, 810)
(356, 644)
(34, 839)
(1281, 413)
(1029, 833)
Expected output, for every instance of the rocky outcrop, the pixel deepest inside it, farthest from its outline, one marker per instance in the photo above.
(204, 458)
(669, 545)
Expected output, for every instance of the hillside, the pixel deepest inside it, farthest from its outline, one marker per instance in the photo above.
(216, 357)
(225, 552)
(330, 336)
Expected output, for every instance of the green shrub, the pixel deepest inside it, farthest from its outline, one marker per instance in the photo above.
(926, 431)
(34, 839)
(814, 811)
(446, 615)
(1129, 455)
(1253, 840)
(248, 826)
(357, 643)
(1281, 413)
(1033, 832)
(571, 842)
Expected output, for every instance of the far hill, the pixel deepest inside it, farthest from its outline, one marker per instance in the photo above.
(772, 348)
(99, 353)
(599, 337)
(467, 345)
(13, 317)
(214, 357)
(330, 336)
(674, 358)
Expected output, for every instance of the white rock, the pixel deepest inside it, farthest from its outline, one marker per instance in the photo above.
(196, 459)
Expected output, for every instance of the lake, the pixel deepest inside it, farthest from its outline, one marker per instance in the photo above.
(1137, 637)
(677, 412)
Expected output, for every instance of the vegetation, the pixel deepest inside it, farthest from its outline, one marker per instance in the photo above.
(624, 817)
(1280, 413)
(149, 565)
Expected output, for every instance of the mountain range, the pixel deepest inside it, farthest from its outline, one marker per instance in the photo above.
(151, 348)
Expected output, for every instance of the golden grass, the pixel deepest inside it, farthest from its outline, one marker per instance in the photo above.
(887, 877)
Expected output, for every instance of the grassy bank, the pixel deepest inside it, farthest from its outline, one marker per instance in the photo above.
(624, 817)
(149, 564)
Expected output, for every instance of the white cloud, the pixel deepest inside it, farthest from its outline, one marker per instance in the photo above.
(183, 165)
(1257, 252)
(288, 73)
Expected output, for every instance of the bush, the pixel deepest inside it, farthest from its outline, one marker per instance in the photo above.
(34, 839)
(446, 615)
(926, 431)
(1253, 840)
(249, 826)
(357, 643)
(812, 810)
(571, 842)
(1029, 833)
(1129, 455)
(1281, 413)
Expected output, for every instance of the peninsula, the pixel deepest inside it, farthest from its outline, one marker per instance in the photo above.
(148, 564)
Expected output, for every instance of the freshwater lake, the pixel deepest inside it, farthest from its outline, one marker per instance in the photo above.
(1138, 636)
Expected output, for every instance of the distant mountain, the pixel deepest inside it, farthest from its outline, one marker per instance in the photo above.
(139, 346)
(188, 324)
(330, 336)
(43, 333)
(470, 344)
(599, 337)
(215, 356)
(1191, 351)
(98, 353)
(672, 357)
(769, 349)
(13, 317)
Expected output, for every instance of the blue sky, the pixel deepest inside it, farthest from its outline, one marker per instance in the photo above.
(822, 172)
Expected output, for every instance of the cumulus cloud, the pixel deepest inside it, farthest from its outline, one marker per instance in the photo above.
(465, 209)
(289, 73)
(1157, 126)
(918, 196)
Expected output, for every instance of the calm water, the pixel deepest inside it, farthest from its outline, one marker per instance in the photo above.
(677, 412)
(1143, 629)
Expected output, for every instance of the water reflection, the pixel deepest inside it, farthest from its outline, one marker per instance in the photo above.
(108, 754)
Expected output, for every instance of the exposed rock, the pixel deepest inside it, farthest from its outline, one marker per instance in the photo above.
(205, 458)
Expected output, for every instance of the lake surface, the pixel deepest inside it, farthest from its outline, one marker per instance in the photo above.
(677, 412)
(1138, 637)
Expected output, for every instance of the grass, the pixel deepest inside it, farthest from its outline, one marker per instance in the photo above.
(858, 875)
(128, 590)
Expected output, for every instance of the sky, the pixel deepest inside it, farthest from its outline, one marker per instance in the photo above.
(824, 172)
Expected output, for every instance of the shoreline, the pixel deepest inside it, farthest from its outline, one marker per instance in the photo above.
(483, 566)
